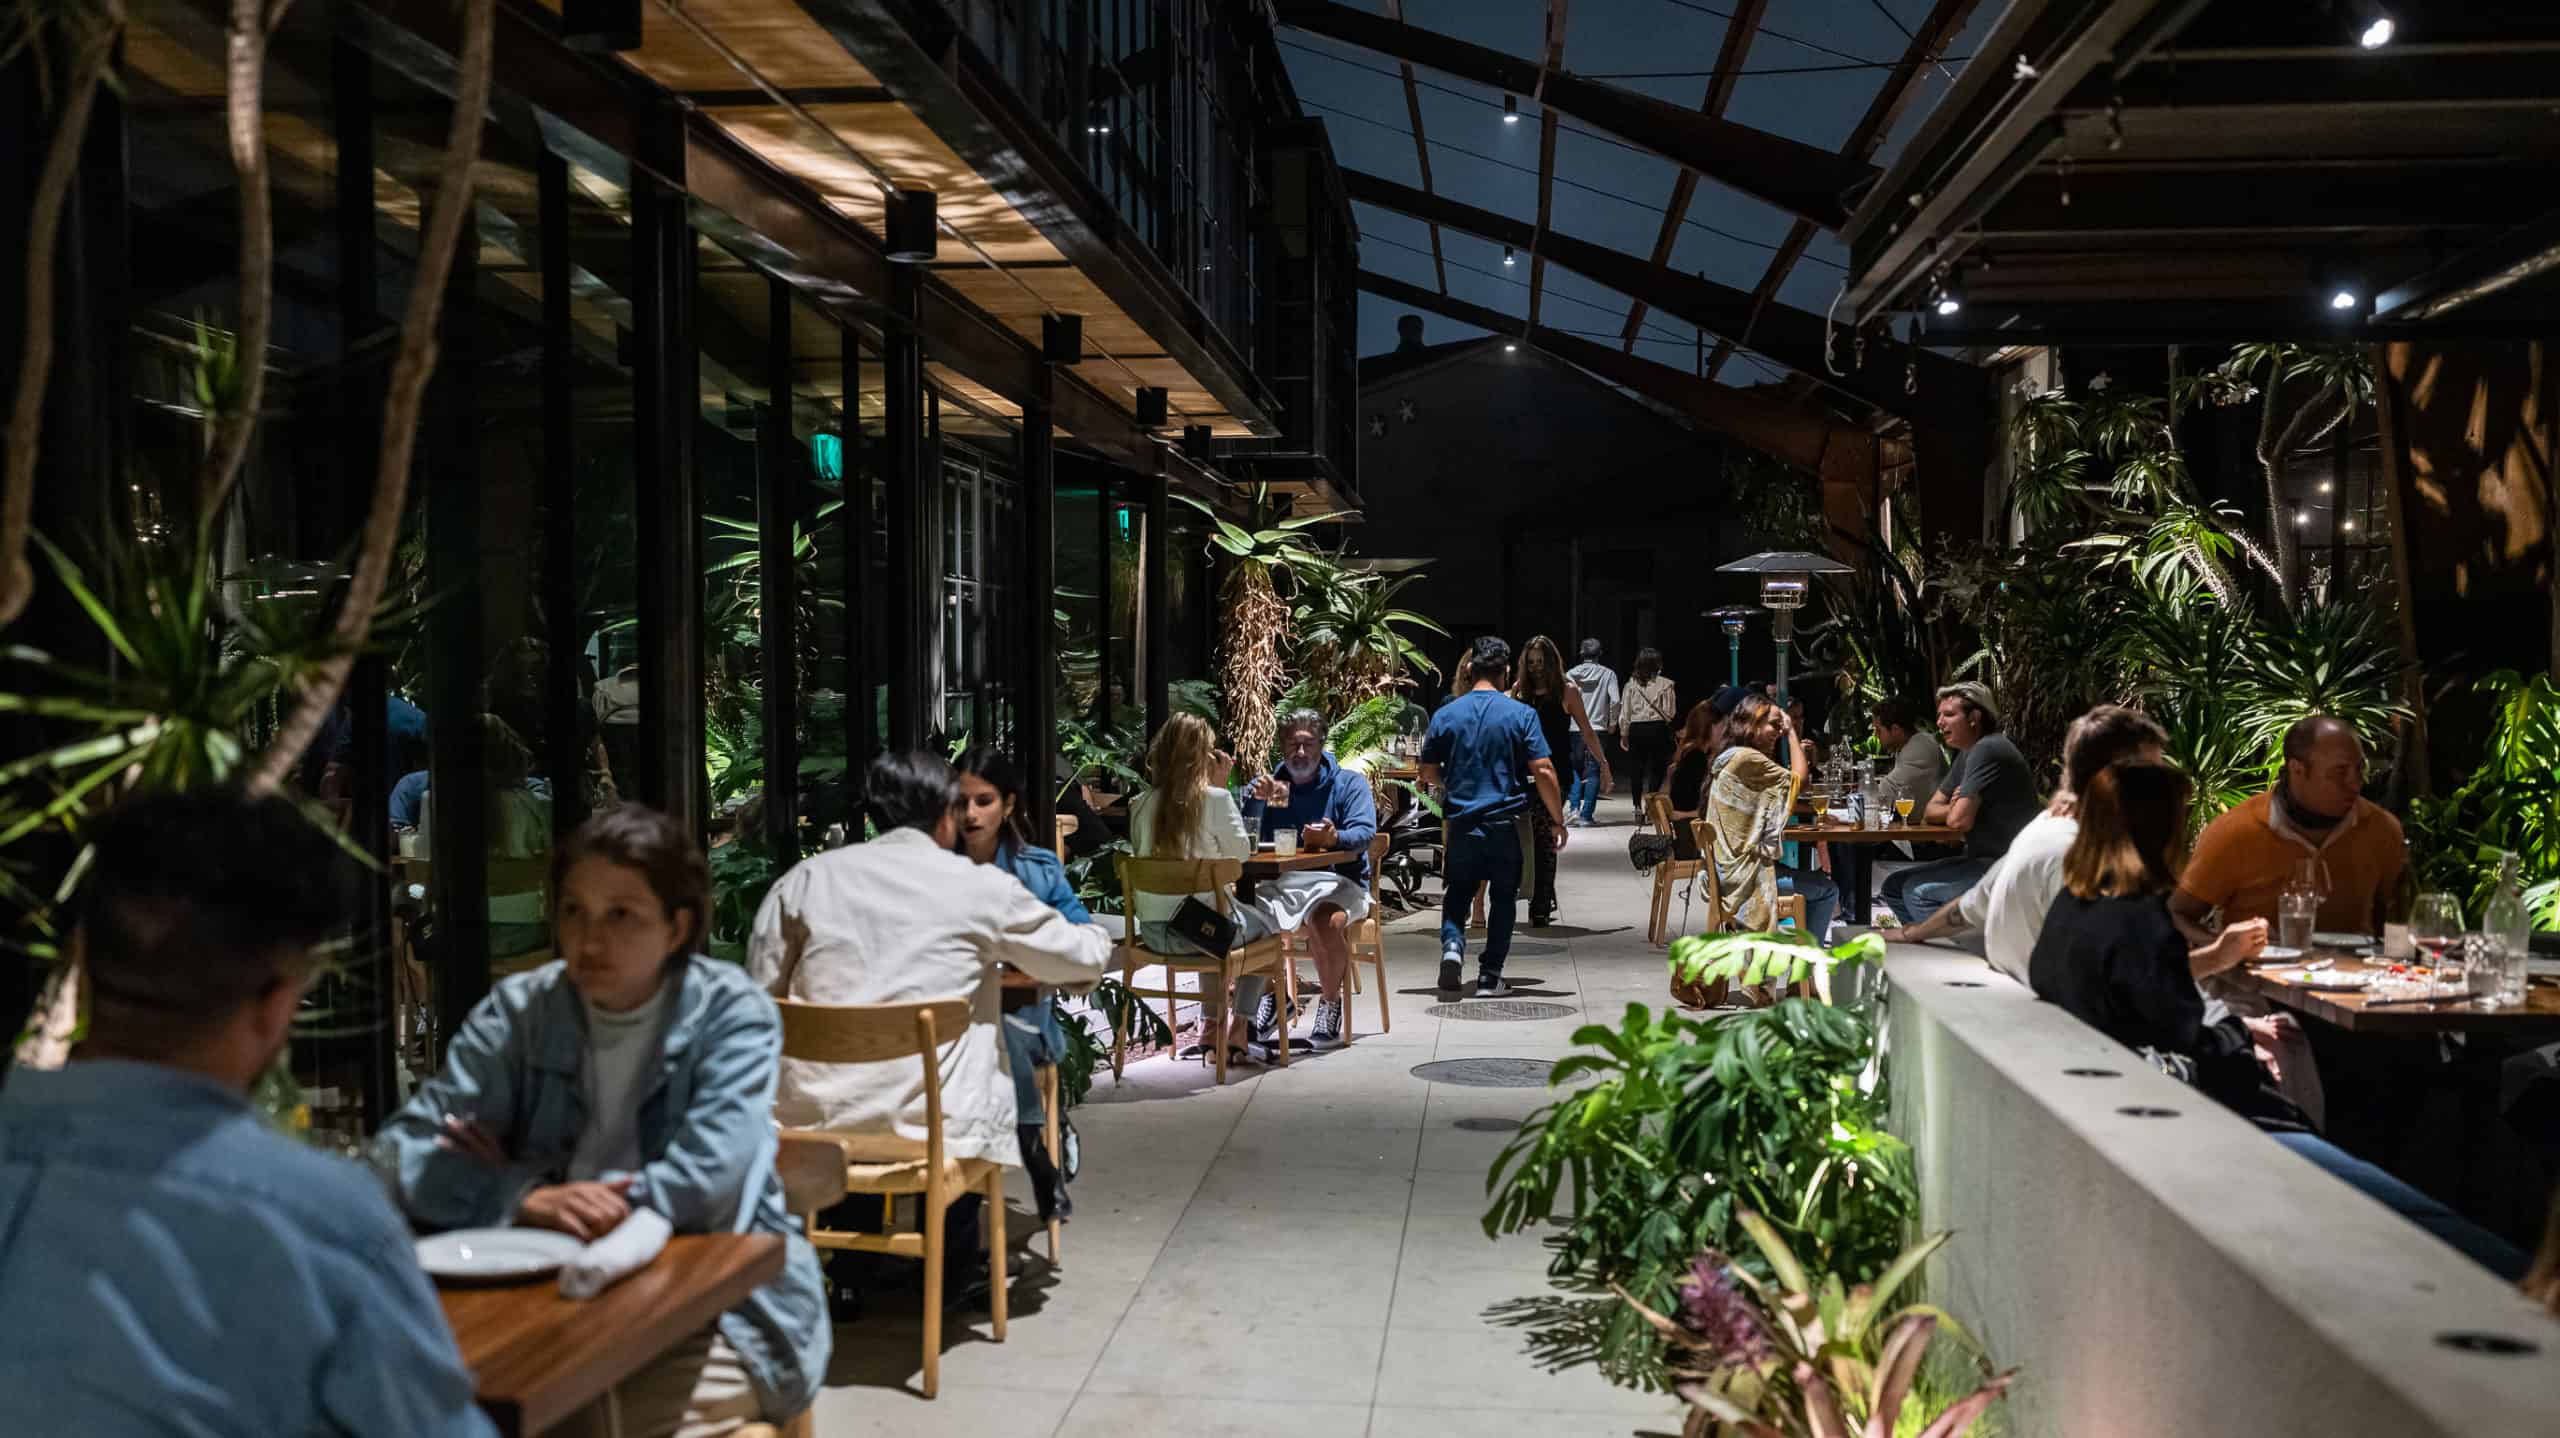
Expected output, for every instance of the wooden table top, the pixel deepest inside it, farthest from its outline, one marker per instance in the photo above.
(2538, 1014)
(537, 1357)
(1266, 864)
(1835, 832)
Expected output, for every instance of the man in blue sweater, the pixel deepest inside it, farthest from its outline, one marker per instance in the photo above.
(1331, 808)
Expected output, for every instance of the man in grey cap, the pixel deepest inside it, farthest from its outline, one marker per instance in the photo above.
(1988, 795)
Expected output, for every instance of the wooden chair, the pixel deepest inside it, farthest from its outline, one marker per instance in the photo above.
(812, 1170)
(1046, 1076)
(1170, 878)
(1669, 873)
(1369, 943)
(891, 1166)
(1067, 825)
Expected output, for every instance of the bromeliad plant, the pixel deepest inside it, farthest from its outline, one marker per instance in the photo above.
(1670, 1128)
(1796, 1356)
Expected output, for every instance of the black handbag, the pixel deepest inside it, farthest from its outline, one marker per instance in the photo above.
(1203, 928)
(1646, 850)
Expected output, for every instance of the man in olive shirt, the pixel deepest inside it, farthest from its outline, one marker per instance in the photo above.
(1988, 795)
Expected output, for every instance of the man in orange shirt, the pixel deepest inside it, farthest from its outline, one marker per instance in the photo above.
(2316, 812)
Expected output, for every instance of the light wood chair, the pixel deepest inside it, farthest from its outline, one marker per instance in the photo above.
(1067, 825)
(891, 1166)
(1171, 878)
(1051, 1107)
(1668, 874)
(1369, 943)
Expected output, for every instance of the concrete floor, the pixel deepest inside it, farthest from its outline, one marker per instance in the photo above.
(1299, 1251)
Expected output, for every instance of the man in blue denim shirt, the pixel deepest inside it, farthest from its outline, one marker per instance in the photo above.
(167, 1263)
(1486, 754)
(1329, 808)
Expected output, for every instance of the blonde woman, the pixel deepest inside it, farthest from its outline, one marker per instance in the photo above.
(1542, 686)
(1189, 813)
(1746, 809)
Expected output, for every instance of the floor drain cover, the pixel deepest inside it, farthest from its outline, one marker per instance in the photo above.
(1541, 947)
(1502, 1011)
(1488, 1125)
(1486, 1073)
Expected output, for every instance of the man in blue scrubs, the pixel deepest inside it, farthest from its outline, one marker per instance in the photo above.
(168, 1264)
(1487, 757)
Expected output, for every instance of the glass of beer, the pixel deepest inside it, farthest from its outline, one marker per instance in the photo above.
(1902, 810)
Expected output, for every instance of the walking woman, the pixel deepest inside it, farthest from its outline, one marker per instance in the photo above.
(626, 1088)
(1542, 686)
(1645, 717)
(992, 832)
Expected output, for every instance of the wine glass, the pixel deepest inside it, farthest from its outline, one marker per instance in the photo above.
(1902, 810)
(2435, 925)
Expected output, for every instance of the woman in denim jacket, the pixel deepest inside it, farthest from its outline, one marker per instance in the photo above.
(629, 1082)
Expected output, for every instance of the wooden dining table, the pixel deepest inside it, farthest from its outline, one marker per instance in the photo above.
(1857, 904)
(2535, 1019)
(536, 1357)
(1267, 864)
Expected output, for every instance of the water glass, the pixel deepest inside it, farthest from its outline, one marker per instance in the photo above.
(1284, 843)
(2498, 970)
(2295, 913)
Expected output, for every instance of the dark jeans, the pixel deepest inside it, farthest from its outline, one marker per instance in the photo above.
(2478, 1244)
(1649, 756)
(1542, 887)
(1821, 897)
(1854, 867)
(1921, 890)
(1489, 856)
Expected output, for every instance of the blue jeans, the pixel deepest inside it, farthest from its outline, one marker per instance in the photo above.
(1032, 1037)
(1489, 856)
(1585, 794)
(1821, 897)
(1923, 889)
(2478, 1244)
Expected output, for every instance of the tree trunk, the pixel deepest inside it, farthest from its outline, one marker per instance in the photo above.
(244, 123)
(441, 236)
(2414, 759)
(92, 56)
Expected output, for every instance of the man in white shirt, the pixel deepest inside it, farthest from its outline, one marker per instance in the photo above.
(2010, 901)
(905, 919)
(1598, 684)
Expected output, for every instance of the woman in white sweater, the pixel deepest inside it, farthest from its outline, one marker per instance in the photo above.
(1189, 813)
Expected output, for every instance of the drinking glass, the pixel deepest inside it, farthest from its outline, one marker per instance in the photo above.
(1284, 843)
(2296, 910)
(2498, 970)
(2435, 929)
(1902, 809)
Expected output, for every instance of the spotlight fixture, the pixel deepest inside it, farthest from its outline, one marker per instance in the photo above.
(2301, 517)
(2343, 300)
(600, 27)
(1097, 129)
(1509, 347)
(1511, 107)
(912, 237)
(1195, 443)
(2348, 525)
(1508, 257)
(1948, 304)
(2324, 486)
(2378, 30)
(1152, 408)
(1062, 339)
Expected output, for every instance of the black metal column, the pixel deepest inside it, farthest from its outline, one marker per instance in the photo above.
(778, 470)
(1036, 722)
(666, 485)
(457, 653)
(862, 723)
(902, 359)
(564, 756)
(1153, 612)
(369, 775)
(1104, 522)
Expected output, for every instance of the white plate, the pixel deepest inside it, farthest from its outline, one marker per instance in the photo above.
(2331, 979)
(491, 1254)
(2277, 954)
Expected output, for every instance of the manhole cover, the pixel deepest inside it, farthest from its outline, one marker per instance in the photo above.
(1488, 1125)
(1541, 947)
(1501, 1011)
(1487, 1072)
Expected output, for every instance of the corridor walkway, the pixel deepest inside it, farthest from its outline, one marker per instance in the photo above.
(1299, 1252)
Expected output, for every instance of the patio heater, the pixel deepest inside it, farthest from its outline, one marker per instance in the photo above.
(1733, 617)
(1786, 578)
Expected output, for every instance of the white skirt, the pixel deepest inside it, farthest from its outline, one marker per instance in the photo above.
(1289, 900)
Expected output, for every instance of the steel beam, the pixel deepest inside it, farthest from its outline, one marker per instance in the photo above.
(1788, 335)
(1840, 453)
(2109, 201)
(1798, 178)
(1738, 34)
(2397, 78)
(1421, 146)
(1946, 19)
(2526, 253)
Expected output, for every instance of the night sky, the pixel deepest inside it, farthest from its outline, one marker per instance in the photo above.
(1664, 48)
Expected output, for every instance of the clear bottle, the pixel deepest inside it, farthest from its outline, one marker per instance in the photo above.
(2506, 931)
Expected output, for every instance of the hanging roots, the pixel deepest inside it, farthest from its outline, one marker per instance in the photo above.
(1254, 619)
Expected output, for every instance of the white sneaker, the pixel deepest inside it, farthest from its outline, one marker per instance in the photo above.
(1327, 1032)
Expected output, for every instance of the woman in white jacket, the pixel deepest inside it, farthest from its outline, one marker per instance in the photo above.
(1189, 813)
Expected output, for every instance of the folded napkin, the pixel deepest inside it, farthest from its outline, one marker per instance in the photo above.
(616, 1256)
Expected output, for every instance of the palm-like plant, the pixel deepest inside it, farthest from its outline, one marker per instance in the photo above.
(1353, 640)
(2339, 380)
(2330, 659)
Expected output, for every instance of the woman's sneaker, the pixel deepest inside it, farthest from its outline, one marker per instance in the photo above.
(1327, 1032)
(1266, 1019)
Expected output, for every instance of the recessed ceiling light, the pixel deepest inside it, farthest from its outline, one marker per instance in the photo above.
(1949, 304)
(2377, 34)
(1509, 348)
(2343, 300)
